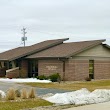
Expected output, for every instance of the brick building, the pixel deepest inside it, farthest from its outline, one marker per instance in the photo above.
(73, 60)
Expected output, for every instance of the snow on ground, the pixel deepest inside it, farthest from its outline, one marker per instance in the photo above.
(2, 94)
(80, 97)
(19, 80)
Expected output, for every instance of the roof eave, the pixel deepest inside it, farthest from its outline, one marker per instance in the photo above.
(46, 58)
(106, 45)
(4, 60)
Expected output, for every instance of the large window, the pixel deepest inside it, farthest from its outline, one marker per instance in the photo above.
(91, 69)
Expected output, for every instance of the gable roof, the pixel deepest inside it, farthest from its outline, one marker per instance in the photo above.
(28, 50)
(66, 50)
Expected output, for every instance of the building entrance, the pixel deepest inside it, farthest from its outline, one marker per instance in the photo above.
(32, 68)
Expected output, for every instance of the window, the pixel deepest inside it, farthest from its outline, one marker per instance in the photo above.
(6, 65)
(16, 63)
(10, 65)
(91, 69)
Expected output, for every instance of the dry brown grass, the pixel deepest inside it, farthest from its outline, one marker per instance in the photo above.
(23, 104)
(31, 93)
(92, 85)
(24, 94)
(10, 94)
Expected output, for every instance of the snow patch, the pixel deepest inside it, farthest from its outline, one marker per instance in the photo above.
(2, 93)
(81, 97)
(19, 80)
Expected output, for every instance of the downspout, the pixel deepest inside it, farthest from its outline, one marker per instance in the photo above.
(63, 61)
(19, 65)
(63, 70)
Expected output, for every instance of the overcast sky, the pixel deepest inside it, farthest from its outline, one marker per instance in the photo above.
(51, 19)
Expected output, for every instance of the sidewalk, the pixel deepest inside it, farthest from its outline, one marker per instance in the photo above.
(100, 106)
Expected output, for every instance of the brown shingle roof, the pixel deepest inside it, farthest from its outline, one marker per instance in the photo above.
(24, 51)
(66, 49)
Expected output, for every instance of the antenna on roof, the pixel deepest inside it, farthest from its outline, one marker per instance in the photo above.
(24, 38)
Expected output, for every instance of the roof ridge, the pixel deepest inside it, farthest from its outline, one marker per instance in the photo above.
(102, 40)
(63, 39)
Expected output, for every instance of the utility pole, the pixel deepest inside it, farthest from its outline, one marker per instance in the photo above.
(24, 38)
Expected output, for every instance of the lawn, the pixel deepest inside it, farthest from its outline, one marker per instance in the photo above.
(17, 105)
(31, 103)
(90, 85)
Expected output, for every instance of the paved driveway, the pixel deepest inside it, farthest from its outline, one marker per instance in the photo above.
(6, 85)
(100, 106)
(40, 91)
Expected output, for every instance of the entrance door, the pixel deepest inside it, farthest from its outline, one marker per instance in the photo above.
(32, 68)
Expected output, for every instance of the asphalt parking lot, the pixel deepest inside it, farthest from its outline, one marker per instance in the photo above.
(4, 86)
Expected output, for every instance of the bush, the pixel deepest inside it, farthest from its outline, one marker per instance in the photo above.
(88, 79)
(31, 93)
(55, 77)
(24, 94)
(18, 93)
(11, 94)
(42, 77)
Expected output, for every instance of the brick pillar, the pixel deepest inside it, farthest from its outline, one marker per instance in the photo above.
(24, 69)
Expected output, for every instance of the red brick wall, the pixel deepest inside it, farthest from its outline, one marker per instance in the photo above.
(81, 69)
(2, 72)
(23, 72)
(24, 69)
(70, 70)
(77, 70)
(13, 74)
(48, 67)
(101, 69)
(74, 69)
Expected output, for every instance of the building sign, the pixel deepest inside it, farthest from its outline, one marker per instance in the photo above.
(51, 67)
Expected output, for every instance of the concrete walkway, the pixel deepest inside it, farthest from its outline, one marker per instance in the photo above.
(100, 106)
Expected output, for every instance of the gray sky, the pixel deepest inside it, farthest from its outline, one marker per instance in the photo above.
(51, 19)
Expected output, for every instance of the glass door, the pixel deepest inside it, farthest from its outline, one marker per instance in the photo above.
(32, 68)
